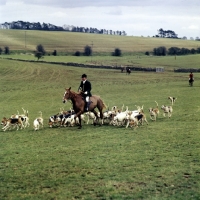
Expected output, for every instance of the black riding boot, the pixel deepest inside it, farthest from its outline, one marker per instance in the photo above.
(87, 106)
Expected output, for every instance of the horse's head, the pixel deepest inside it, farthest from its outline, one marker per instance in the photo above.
(67, 95)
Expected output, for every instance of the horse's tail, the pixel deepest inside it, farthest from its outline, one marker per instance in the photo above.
(102, 103)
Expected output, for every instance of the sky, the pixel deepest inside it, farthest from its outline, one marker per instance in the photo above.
(135, 17)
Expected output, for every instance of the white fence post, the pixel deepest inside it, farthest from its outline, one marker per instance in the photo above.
(159, 69)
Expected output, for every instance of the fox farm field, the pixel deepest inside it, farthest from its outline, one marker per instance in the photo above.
(156, 161)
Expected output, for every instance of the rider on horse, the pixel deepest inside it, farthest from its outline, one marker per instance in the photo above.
(85, 87)
(191, 78)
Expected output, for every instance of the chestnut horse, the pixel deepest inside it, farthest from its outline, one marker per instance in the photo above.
(79, 104)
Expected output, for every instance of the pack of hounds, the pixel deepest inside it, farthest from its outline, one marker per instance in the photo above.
(21, 121)
(113, 116)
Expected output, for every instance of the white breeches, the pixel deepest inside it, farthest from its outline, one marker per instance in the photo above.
(87, 99)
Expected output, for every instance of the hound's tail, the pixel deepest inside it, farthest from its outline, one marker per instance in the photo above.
(122, 107)
(40, 114)
(156, 104)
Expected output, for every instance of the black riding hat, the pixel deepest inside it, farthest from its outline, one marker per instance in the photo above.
(84, 76)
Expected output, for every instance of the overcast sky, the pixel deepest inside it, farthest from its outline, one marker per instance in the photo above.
(136, 17)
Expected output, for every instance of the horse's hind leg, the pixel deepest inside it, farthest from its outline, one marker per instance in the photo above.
(101, 116)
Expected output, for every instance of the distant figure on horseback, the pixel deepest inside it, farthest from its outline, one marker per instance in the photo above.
(128, 70)
(191, 79)
(85, 87)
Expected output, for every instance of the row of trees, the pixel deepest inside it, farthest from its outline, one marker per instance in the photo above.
(159, 51)
(40, 52)
(162, 51)
(50, 27)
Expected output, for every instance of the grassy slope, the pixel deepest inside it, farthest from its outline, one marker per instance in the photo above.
(103, 44)
(71, 42)
(168, 62)
(158, 161)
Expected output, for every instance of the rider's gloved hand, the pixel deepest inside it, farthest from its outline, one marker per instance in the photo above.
(85, 92)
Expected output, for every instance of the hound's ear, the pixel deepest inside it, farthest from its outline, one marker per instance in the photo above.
(70, 88)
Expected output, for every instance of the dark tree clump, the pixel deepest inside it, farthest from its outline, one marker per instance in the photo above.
(1, 50)
(40, 52)
(77, 53)
(40, 49)
(178, 51)
(7, 50)
(198, 50)
(54, 53)
(87, 51)
(160, 51)
(193, 51)
(117, 52)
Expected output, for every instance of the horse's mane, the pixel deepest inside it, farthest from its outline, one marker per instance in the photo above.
(75, 93)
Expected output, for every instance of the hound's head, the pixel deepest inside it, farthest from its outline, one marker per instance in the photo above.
(163, 107)
(4, 121)
(150, 109)
(114, 108)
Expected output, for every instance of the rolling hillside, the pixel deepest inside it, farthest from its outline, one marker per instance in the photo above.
(71, 42)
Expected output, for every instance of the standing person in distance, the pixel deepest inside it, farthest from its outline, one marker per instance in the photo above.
(191, 79)
(85, 87)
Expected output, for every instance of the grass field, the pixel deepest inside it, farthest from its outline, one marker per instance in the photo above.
(168, 62)
(70, 42)
(158, 161)
(22, 44)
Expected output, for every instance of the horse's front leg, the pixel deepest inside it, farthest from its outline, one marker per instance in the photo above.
(80, 125)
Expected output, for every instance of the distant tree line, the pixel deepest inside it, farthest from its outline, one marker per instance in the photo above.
(162, 51)
(30, 26)
(50, 27)
(88, 52)
(166, 34)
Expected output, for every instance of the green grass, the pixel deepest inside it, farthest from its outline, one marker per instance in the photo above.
(69, 42)
(168, 62)
(158, 161)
